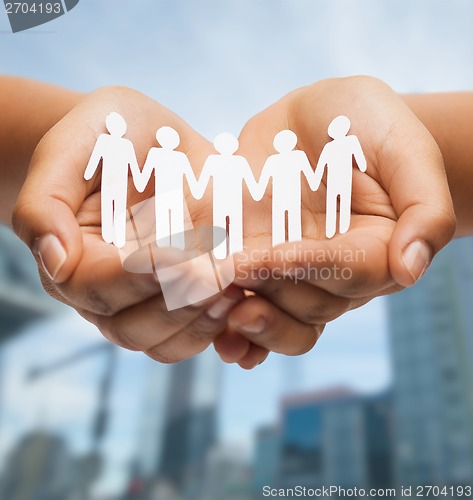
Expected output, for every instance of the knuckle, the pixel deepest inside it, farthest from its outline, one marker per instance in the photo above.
(98, 303)
(447, 223)
(22, 212)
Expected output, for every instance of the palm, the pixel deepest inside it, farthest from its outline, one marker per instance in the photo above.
(144, 117)
(374, 210)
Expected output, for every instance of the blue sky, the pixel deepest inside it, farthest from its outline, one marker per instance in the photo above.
(216, 63)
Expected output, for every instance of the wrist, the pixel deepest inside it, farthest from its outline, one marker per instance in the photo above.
(29, 110)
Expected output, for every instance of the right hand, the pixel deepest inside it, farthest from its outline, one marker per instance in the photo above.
(57, 215)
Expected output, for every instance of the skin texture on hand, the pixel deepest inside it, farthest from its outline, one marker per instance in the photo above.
(401, 200)
(58, 216)
(402, 214)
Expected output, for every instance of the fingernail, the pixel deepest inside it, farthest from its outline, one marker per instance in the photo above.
(51, 253)
(220, 308)
(416, 258)
(255, 326)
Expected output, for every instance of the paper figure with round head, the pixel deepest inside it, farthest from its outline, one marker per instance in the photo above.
(338, 156)
(117, 155)
(169, 167)
(228, 172)
(285, 168)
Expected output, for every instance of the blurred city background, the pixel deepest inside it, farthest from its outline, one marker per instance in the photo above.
(384, 399)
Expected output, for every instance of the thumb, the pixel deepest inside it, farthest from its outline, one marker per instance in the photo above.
(420, 232)
(44, 214)
(426, 221)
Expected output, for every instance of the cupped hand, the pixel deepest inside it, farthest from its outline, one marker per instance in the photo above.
(58, 216)
(402, 215)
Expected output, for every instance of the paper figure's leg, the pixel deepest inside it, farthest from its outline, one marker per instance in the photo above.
(178, 239)
(107, 217)
(235, 233)
(331, 215)
(119, 220)
(294, 230)
(163, 228)
(220, 247)
(279, 226)
(345, 211)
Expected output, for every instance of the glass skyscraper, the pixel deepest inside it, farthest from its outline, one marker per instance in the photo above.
(336, 437)
(179, 425)
(431, 328)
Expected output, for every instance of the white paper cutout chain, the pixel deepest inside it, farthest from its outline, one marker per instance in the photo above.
(228, 172)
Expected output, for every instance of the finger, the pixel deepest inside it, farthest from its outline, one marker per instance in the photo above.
(146, 326)
(267, 326)
(200, 333)
(231, 346)
(426, 217)
(352, 265)
(101, 285)
(234, 348)
(414, 176)
(402, 157)
(254, 357)
(304, 301)
(44, 215)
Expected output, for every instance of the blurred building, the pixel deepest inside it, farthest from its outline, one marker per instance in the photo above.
(38, 468)
(328, 437)
(22, 298)
(227, 475)
(179, 426)
(431, 328)
(267, 453)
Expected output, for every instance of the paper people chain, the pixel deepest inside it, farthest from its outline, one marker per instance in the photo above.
(227, 171)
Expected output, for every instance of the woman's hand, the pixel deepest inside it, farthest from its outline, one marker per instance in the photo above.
(402, 215)
(57, 215)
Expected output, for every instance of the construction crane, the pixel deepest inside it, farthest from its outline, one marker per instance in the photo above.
(90, 464)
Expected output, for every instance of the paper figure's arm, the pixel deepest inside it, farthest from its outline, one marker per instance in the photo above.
(142, 178)
(263, 181)
(191, 178)
(359, 155)
(250, 180)
(94, 160)
(319, 170)
(309, 172)
(135, 169)
(204, 179)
